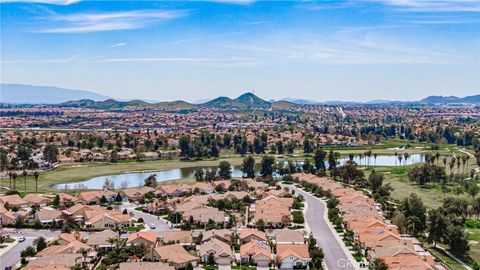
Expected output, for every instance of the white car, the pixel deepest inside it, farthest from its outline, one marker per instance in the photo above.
(21, 239)
(152, 226)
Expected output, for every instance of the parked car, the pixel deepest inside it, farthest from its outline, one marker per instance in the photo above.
(152, 226)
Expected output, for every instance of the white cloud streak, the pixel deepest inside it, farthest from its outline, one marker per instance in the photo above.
(50, 2)
(121, 44)
(433, 5)
(98, 22)
(234, 2)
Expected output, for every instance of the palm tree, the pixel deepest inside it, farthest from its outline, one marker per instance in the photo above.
(444, 161)
(400, 157)
(458, 190)
(464, 161)
(24, 173)
(14, 177)
(10, 174)
(437, 156)
(452, 164)
(406, 156)
(375, 158)
(458, 165)
(36, 175)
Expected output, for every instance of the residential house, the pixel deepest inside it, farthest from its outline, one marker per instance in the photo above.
(48, 216)
(221, 252)
(14, 201)
(147, 238)
(224, 235)
(292, 255)
(136, 193)
(287, 236)
(175, 255)
(37, 200)
(248, 235)
(145, 265)
(256, 252)
(178, 237)
(102, 239)
(202, 215)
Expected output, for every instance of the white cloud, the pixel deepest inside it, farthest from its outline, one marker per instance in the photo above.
(50, 2)
(235, 2)
(121, 44)
(97, 22)
(433, 5)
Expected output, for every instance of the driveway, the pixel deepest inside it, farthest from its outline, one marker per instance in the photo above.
(12, 256)
(335, 254)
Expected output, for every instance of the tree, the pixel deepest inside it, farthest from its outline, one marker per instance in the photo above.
(375, 180)
(36, 175)
(211, 259)
(267, 164)
(103, 199)
(119, 198)
(3, 161)
(199, 175)
(108, 184)
(56, 200)
(210, 225)
(189, 266)
(151, 181)
(473, 190)
(184, 143)
(40, 244)
(415, 213)
(307, 146)
(377, 264)
(24, 173)
(50, 153)
(319, 158)
(28, 252)
(457, 241)
(114, 156)
(298, 217)
(248, 167)
(436, 226)
(14, 178)
(225, 170)
(332, 161)
(261, 225)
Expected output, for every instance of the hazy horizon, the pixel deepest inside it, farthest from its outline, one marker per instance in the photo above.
(192, 50)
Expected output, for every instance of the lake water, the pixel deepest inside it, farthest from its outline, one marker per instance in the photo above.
(137, 179)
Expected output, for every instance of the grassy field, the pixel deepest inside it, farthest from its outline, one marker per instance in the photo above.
(83, 171)
(473, 235)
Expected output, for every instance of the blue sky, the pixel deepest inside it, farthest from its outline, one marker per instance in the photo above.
(169, 50)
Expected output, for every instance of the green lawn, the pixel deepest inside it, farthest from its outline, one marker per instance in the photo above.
(243, 267)
(473, 235)
(446, 259)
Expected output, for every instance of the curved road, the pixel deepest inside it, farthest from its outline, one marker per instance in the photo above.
(336, 257)
(12, 255)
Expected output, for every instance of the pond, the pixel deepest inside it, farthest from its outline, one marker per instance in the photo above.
(137, 178)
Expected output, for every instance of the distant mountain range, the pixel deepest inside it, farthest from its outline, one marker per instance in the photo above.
(30, 94)
(450, 99)
(245, 101)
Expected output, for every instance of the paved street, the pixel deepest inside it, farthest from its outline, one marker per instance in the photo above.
(12, 256)
(160, 225)
(335, 256)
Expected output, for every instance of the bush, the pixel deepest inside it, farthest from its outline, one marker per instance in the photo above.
(298, 217)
